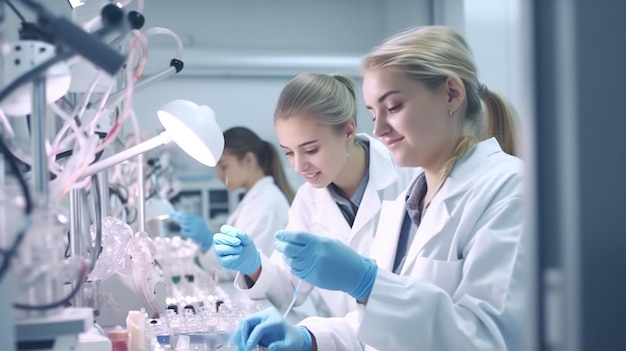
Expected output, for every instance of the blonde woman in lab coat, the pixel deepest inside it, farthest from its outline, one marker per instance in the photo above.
(447, 267)
(347, 176)
(252, 164)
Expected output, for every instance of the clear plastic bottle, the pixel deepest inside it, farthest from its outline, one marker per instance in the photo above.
(119, 338)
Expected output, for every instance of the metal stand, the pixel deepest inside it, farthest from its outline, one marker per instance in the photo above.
(103, 180)
(141, 197)
(38, 137)
(75, 241)
(7, 341)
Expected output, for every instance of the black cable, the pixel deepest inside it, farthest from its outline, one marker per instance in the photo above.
(33, 74)
(16, 11)
(97, 247)
(61, 303)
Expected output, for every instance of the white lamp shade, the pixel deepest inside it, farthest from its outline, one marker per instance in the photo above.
(158, 208)
(194, 129)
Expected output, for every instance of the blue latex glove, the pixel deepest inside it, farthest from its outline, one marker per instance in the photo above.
(195, 228)
(269, 329)
(327, 263)
(236, 251)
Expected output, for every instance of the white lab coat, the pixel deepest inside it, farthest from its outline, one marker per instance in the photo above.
(462, 285)
(262, 212)
(314, 210)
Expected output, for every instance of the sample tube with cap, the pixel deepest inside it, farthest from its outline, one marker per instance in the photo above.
(119, 338)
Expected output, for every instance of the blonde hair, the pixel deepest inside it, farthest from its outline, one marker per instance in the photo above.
(329, 98)
(431, 55)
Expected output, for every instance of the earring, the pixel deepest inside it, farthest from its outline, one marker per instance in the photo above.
(350, 143)
(226, 180)
(451, 113)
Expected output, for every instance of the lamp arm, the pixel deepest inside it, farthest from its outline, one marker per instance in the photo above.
(174, 67)
(127, 154)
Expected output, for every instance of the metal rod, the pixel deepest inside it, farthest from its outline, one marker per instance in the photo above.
(38, 139)
(7, 341)
(127, 154)
(75, 238)
(103, 178)
(141, 198)
(118, 96)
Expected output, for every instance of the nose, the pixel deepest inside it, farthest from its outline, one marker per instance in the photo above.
(300, 163)
(381, 127)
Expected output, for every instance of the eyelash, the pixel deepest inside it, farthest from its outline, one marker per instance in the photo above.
(395, 108)
(310, 152)
(392, 109)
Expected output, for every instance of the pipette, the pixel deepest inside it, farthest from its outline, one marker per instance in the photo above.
(296, 293)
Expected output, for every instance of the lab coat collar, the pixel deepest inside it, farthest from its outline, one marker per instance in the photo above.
(382, 174)
(443, 203)
(381, 166)
(250, 195)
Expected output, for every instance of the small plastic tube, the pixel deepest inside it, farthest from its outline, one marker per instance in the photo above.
(119, 338)
(296, 293)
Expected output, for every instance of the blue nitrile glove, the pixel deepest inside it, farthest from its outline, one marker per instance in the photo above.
(269, 329)
(236, 251)
(327, 263)
(195, 228)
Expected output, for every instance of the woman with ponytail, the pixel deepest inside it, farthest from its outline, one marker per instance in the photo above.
(252, 164)
(448, 266)
(348, 175)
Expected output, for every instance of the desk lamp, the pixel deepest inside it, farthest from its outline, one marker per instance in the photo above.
(193, 128)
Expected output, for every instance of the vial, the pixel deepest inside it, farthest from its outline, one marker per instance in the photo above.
(119, 338)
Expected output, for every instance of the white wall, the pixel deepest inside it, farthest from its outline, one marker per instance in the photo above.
(494, 29)
(284, 28)
(239, 30)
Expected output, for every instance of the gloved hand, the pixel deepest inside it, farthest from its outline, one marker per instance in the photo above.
(236, 251)
(195, 228)
(327, 263)
(269, 329)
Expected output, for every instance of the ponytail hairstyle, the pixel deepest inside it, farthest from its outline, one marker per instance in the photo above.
(240, 140)
(433, 54)
(329, 98)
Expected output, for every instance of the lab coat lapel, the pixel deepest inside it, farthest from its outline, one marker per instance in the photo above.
(443, 204)
(233, 216)
(328, 217)
(369, 209)
(381, 175)
(249, 195)
(385, 242)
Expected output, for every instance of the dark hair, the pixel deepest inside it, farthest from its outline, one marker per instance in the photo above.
(240, 140)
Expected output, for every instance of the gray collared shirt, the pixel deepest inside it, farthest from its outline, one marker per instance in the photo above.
(349, 207)
(412, 220)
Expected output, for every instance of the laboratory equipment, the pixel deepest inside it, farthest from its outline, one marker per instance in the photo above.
(119, 338)
(124, 277)
(71, 162)
(296, 293)
(206, 328)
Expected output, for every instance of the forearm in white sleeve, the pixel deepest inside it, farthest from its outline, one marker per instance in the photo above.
(335, 334)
